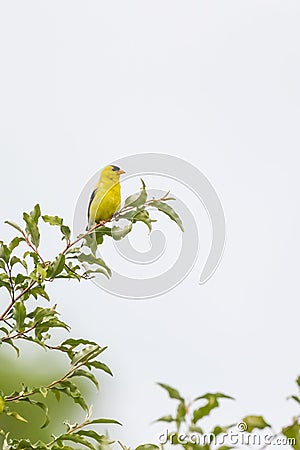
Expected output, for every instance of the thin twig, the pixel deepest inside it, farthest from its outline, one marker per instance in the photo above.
(49, 386)
(81, 425)
(19, 335)
(33, 247)
(6, 311)
(12, 287)
(74, 428)
(7, 323)
(82, 236)
(115, 216)
(71, 244)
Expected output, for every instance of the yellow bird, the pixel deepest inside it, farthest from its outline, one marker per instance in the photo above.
(106, 197)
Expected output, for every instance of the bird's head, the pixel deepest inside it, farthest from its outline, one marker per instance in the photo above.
(111, 173)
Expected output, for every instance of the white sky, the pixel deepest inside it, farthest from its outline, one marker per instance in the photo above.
(215, 83)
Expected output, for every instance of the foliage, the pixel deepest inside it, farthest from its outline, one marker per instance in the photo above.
(24, 277)
(186, 426)
(37, 367)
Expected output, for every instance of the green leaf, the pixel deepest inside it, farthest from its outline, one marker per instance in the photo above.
(44, 319)
(181, 412)
(40, 405)
(72, 391)
(212, 403)
(105, 421)
(93, 271)
(44, 407)
(94, 239)
(85, 354)
(43, 391)
(99, 238)
(19, 316)
(225, 447)
(71, 272)
(35, 214)
(91, 259)
(5, 282)
(11, 343)
(4, 252)
(16, 416)
(2, 404)
(84, 373)
(129, 215)
(33, 255)
(73, 343)
(93, 435)
(14, 225)
(253, 422)
(294, 397)
(169, 211)
(15, 242)
(292, 433)
(4, 330)
(100, 366)
(138, 198)
(56, 267)
(14, 260)
(143, 216)
(42, 271)
(173, 393)
(195, 429)
(168, 419)
(91, 242)
(32, 228)
(218, 429)
(103, 230)
(119, 233)
(56, 393)
(77, 439)
(147, 447)
(52, 220)
(39, 290)
(66, 232)
(40, 314)
(45, 326)
(20, 279)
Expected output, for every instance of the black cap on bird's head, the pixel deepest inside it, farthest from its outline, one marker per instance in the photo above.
(111, 172)
(117, 169)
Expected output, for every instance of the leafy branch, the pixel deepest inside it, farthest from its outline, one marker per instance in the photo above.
(25, 274)
(135, 209)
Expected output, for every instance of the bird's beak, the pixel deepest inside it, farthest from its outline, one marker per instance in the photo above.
(120, 172)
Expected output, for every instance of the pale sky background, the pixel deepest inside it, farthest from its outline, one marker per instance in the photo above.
(215, 83)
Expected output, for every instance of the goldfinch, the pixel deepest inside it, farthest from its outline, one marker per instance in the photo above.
(106, 197)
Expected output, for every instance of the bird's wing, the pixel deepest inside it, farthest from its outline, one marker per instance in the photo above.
(91, 199)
